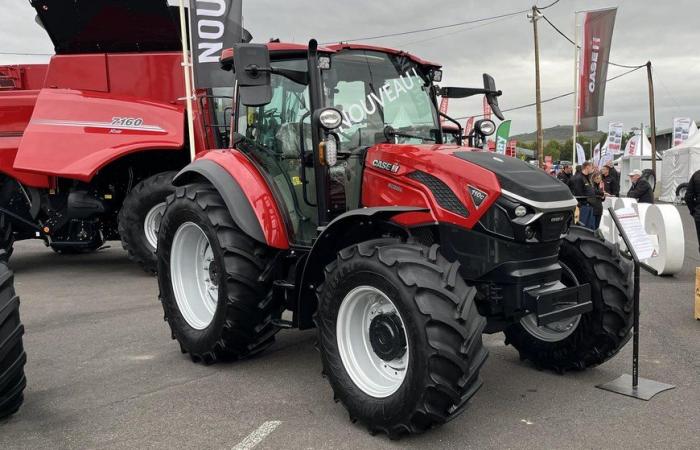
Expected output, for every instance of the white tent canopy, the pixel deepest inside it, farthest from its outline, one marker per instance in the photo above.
(680, 163)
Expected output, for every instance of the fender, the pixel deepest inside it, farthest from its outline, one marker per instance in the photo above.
(352, 227)
(73, 134)
(245, 192)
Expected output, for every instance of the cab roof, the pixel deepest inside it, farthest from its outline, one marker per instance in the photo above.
(289, 48)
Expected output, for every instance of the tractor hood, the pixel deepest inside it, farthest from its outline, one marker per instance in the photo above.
(519, 178)
(109, 26)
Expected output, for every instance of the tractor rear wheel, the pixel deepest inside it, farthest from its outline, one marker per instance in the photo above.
(399, 335)
(214, 284)
(12, 356)
(140, 217)
(7, 238)
(590, 339)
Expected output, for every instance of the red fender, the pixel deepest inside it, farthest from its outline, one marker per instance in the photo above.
(237, 179)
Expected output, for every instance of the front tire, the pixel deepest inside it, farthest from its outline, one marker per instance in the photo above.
(599, 334)
(12, 356)
(419, 318)
(214, 284)
(140, 217)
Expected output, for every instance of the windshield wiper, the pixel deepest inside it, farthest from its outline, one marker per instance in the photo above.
(390, 133)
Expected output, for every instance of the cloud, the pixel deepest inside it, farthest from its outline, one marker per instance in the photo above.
(665, 33)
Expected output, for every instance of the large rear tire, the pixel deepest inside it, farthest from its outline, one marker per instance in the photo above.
(595, 337)
(7, 238)
(12, 356)
(140, 217)
(400, 336)
(214, 283)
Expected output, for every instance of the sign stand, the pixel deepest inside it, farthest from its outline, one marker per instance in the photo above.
(634, 386)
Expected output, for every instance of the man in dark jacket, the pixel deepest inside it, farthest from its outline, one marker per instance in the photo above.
(583, 191)
(641, 190)
(692, 199)
(612, 185)
(613, 171)
(564, 175)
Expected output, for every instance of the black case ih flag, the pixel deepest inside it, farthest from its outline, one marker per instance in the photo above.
(595, 51)
(215, 25)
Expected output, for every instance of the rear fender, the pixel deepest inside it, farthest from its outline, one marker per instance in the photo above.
(350, 228)
(245, 192)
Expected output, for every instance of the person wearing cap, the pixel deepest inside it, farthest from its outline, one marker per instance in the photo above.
(641, 189)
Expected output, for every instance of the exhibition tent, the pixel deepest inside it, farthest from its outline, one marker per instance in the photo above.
(680, 163)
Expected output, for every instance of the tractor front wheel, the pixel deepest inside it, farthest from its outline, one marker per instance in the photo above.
(590, 339)
(400, 336)
(214, 283)
(140, 217)
(12, 356)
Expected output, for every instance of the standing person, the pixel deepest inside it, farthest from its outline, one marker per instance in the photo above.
(610, 181)
(565, 175)
(692, 199)
(583, 191)
(597, 201)
(614, 173)
(641, 189)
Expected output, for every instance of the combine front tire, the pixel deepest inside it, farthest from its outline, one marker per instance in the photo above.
(12, 356)
(140, 217)
(214, 286)
(400, 336)
(7, 238)
(583, 341)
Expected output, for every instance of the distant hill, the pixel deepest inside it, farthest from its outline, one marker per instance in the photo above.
(559, 133)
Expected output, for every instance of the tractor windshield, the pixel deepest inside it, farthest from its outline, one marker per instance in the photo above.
(374, 91)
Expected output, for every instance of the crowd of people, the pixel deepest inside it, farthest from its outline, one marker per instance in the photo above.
(590, 186)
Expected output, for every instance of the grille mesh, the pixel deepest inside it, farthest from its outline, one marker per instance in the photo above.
(442, 193)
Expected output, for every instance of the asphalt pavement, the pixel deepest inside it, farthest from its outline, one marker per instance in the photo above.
(104, 373)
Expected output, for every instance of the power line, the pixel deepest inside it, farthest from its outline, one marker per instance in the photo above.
(451, 33)
(423, 30)
(551, 99)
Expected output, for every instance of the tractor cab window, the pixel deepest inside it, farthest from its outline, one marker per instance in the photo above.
(375, 90)
(274, 141)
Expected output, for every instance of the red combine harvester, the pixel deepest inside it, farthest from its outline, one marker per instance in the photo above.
(340, 202)
(89, 143)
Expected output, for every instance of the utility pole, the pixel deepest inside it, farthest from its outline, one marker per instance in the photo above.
(538, 94)
(652, 118)
(576, 82)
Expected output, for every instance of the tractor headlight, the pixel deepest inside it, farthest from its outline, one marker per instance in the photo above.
(486, 127)
(330, 118)
(520, 211)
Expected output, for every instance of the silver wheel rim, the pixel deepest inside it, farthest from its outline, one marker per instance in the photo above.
(151, 224)
(193, 274)
(374, 376)
(559, 330)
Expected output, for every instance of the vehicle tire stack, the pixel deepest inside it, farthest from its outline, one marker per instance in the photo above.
(12, 356)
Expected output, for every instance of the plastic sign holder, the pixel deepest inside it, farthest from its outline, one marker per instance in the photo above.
(634, 386)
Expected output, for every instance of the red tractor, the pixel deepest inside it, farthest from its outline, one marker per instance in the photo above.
(339, 202)
(89, 143)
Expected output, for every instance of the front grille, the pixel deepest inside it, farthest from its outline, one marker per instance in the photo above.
(442, 193)
(554, 225)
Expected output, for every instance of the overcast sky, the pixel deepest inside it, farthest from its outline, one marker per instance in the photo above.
(666, 33)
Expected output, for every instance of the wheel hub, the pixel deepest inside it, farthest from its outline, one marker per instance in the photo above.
(151, 224)
(387, 337)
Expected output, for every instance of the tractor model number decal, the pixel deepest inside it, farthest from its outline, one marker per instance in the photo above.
(127, 121)
(391, 167)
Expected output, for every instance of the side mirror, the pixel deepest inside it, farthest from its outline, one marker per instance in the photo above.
(251, 64)
(492, 95)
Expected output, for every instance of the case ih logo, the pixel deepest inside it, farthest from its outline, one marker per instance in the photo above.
(391, 167)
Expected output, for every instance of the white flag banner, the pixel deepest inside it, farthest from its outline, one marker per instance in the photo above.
(681, 130)
(606, 155)
(596, 155)
(614, 142)
(580, 154)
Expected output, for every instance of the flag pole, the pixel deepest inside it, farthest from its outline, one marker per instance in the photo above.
(187, 68)
(576, 80)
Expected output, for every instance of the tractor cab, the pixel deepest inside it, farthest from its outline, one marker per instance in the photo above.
(308, 115)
